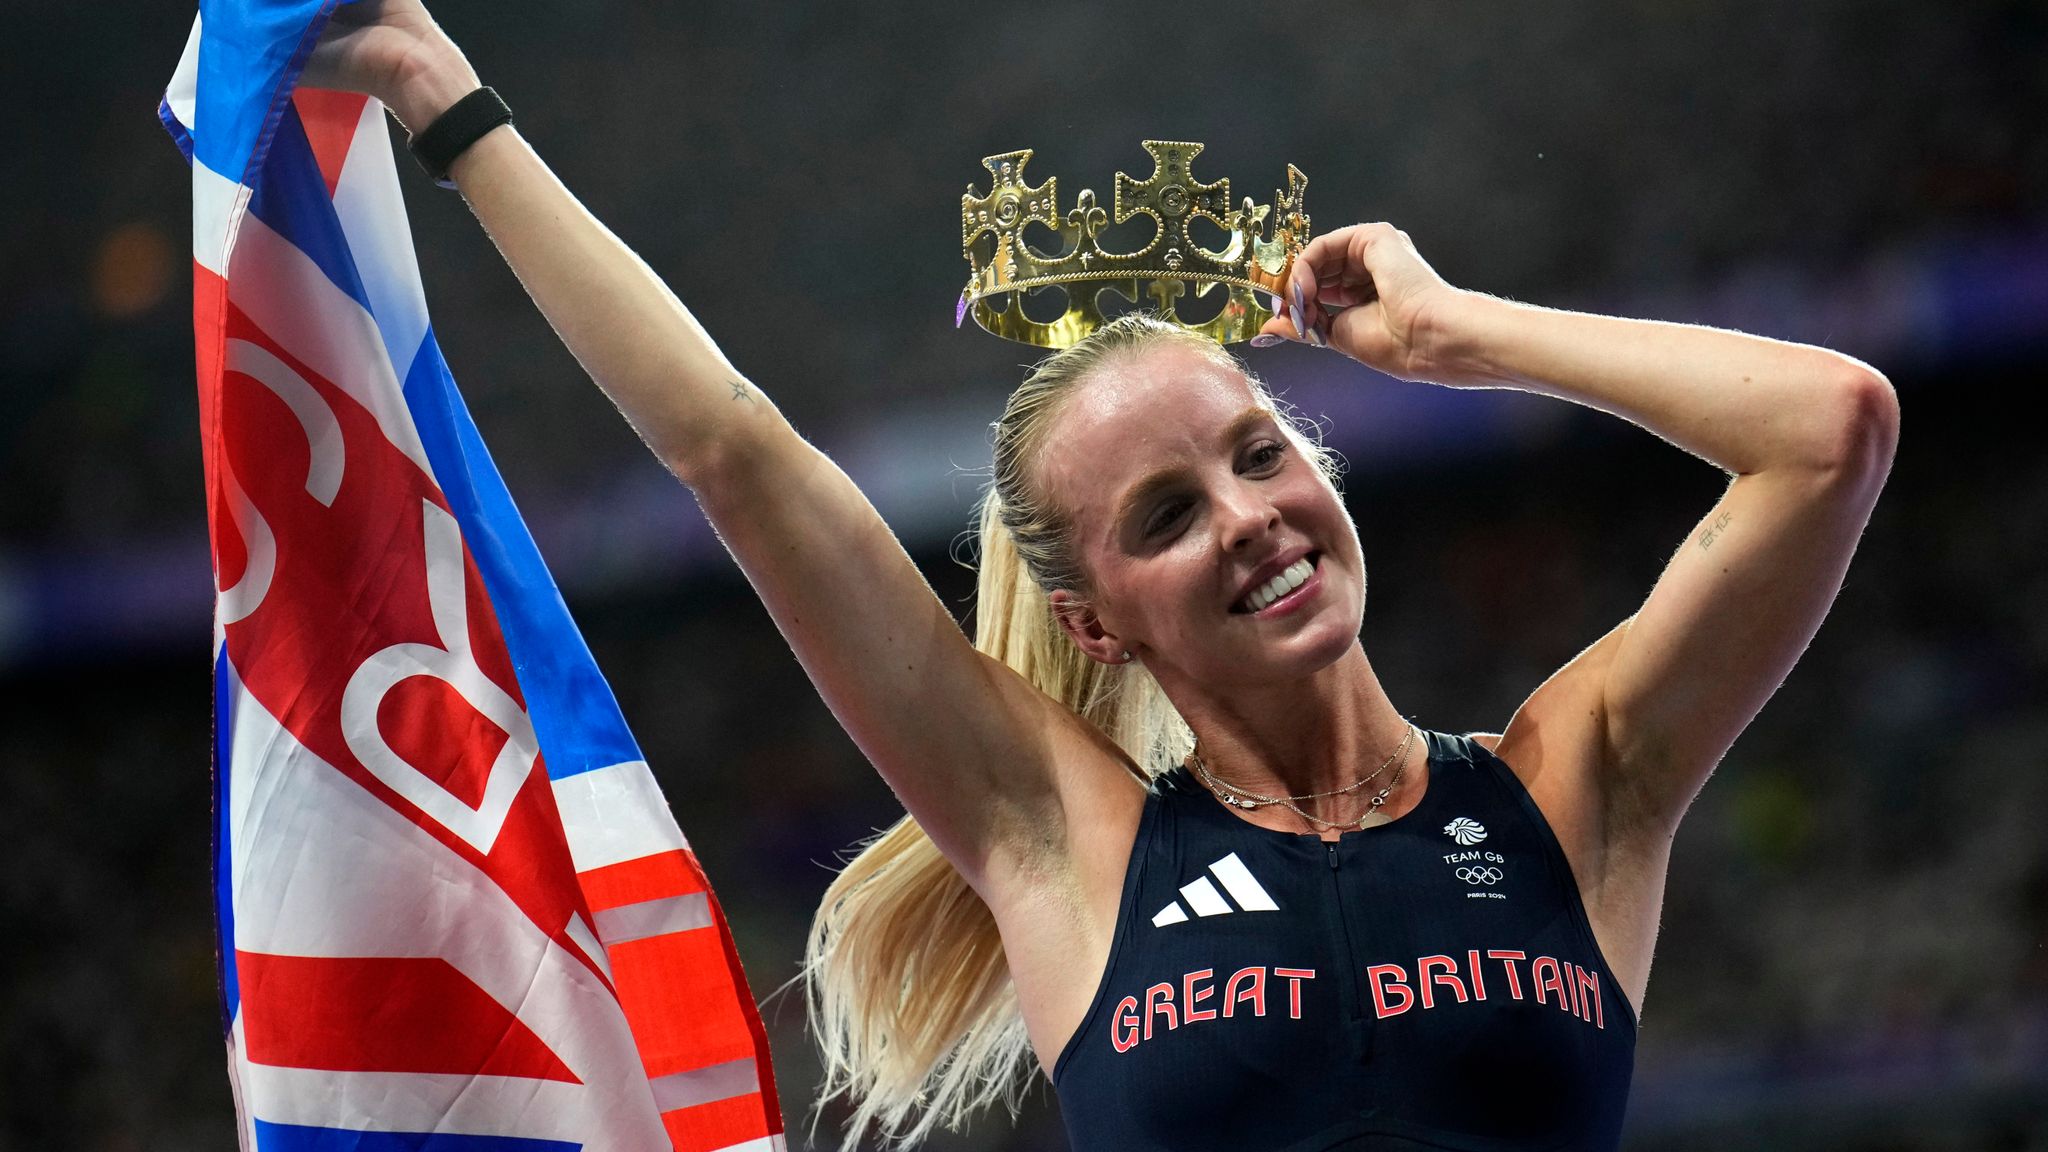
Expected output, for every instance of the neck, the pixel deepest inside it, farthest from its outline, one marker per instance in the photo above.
(1298, 737)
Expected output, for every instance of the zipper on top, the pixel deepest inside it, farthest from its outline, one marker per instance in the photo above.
(1355, 1002)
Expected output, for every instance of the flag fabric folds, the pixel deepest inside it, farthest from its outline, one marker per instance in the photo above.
(455, 913)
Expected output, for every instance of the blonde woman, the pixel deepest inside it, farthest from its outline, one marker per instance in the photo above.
(1169, 841)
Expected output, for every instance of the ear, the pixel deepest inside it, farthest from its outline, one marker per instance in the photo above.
(1078, 619)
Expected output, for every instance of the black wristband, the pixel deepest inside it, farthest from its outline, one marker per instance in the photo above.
(453, 131)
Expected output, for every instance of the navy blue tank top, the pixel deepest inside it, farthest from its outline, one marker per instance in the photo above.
(1431, 982)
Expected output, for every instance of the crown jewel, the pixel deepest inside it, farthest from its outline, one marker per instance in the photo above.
(1263, 241)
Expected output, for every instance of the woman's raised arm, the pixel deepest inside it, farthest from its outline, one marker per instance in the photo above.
(1806, 434)
(966, 744)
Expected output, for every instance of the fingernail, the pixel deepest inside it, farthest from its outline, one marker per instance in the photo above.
(1265, 340)
(1294, 313)
(1277, 305)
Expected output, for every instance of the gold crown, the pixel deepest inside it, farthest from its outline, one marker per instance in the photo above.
(1170, 262)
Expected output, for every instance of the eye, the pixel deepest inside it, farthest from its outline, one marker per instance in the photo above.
(1165, 516)
(1265, 458)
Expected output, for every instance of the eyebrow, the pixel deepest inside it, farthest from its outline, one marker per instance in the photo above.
(1141, 492)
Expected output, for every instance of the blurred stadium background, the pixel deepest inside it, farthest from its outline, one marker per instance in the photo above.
(1855, 942)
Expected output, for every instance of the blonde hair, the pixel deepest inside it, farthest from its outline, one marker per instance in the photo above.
(909, 989)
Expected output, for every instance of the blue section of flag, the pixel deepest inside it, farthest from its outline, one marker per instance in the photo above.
(298, 1138)
(574, 713)
(250, 56)
(223, 857)
(292, 200)
(179, 135)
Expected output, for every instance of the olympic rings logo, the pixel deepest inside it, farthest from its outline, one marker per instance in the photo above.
(1483, 875)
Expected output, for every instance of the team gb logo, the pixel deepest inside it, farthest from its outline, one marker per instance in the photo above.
(1466, 831)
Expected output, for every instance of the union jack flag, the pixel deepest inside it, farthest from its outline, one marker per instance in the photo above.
(455, 913)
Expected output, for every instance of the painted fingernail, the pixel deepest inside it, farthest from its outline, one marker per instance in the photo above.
(1294, 313)
(1277, 305)
(1265, 340)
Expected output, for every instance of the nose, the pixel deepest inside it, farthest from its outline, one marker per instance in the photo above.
(1244, 516)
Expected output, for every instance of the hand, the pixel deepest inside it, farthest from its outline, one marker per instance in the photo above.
(1365, 291)
(392, 50)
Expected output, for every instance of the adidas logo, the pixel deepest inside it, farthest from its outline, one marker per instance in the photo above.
(1203, 897)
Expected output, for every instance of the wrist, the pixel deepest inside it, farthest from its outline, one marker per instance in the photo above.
(434, 80)
(1454, 337)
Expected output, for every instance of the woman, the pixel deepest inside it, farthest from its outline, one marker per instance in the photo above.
(1327, 928)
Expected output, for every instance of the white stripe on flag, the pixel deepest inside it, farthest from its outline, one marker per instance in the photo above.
(465, 1103)
(295, 304)
(1242, 885)
(238, 1070)
(773, 1143)
(615, 814)
(654, 918)
(704, 1085)
(182, 94)
(216, 202)
(579, 932)
(1204, 899)
(372, 212)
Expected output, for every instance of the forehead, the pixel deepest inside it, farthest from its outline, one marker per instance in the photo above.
(1133, 416)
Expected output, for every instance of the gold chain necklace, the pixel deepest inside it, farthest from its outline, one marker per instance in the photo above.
(1238, 797)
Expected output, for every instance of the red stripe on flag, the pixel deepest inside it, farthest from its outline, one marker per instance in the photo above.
(383, 1014)
(330, 120)
(681, 1001)
(209, 328)
(655, 877)
(748, 1011)
(721, 1123)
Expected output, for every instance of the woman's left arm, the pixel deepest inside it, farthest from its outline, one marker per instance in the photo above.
(1808, 435)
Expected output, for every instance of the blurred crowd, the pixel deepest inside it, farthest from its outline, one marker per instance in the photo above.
(1855, 943)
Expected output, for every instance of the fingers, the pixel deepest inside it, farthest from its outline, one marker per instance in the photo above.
(1333, 272)
(1296, 319)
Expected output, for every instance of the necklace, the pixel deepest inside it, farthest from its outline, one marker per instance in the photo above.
(1239, 797)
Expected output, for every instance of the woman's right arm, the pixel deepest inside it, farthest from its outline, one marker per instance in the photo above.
(970, 748)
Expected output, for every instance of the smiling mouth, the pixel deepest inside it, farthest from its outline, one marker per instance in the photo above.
(1279, 587)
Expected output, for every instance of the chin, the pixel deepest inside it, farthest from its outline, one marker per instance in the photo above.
(1320, 647)
(1302, 653)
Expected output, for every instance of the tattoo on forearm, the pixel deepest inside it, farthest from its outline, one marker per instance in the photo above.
(1713, 531)
(739, 391)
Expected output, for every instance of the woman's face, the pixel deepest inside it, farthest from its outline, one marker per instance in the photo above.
(1187, 497)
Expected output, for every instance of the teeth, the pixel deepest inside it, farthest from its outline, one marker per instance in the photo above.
(1287, 581)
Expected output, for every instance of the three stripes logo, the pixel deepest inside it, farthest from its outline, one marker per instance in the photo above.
(1202, 896)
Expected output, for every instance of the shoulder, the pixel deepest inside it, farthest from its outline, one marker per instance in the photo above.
(1487, 740)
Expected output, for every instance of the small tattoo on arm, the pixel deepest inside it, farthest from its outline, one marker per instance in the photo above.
(739, 391)
(1713, 531)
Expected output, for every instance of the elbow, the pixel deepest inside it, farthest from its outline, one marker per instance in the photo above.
(728, 468)
(708, 466)
(1863, 424)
